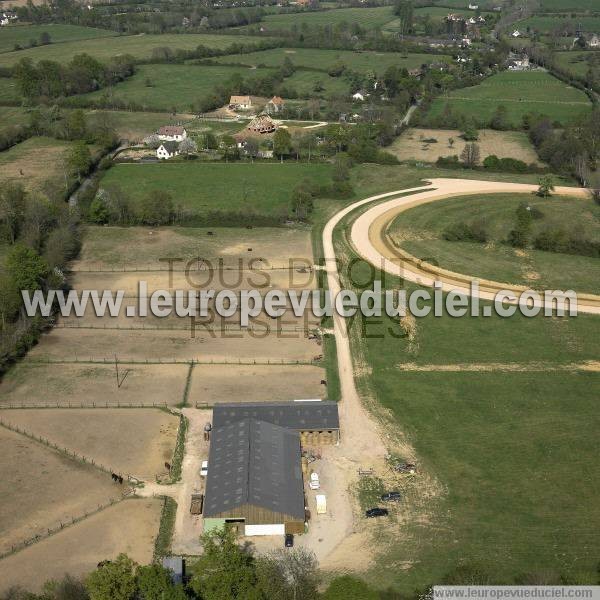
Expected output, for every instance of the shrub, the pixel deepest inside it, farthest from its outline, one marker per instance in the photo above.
(465, 232)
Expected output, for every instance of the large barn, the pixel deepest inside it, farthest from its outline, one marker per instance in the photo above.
(254, 479)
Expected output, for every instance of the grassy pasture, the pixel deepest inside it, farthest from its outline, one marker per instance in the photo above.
(9, 92)
(507, 455)
(568, 5)
(520, 93)
(250, 188)
(139, 46)
(368, 18)
(324, 59)
(34, 161)
(304, 82)
(548, 23)
(24, 34)
(578, 63)
(135, 125)
(419, 231)
(172, 86)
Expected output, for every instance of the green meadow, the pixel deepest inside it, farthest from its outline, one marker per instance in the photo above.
(140, 46)
(521, 93)
(23, 35)
(363, 62)
(164, 87)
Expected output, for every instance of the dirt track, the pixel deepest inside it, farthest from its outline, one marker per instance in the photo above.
(369, 237)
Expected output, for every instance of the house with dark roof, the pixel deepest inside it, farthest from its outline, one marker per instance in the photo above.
(167, 150)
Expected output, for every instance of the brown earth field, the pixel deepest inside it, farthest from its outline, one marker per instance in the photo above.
(255, 383)
(142, 247)
(90, 319)
(32, 384)
(262, 280)
(135, 345)
(129, 526)
(42, 488)
(504, 144)
(130, 441)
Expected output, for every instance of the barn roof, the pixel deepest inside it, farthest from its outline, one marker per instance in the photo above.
(300, 415)
(171, 130)
(254, 462)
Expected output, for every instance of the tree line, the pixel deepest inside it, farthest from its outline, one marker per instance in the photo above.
(49, 79)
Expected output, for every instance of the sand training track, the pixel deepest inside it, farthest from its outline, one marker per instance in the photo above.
(369, 237)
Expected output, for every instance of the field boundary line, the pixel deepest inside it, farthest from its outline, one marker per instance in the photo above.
(64, 451)
(197, 326)
(189, 271)
(92, 406)
(53, 531)
(174, 361)
(188, 385)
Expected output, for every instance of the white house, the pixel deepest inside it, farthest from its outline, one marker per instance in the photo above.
(240, 102)
(167, 150)
(519, 64)
(516, 33)
(359, 96)
(172, 133)
(473, 6)
(7, 17)
(594, 41)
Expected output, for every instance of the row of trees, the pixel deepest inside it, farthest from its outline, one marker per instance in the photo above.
(49, 79)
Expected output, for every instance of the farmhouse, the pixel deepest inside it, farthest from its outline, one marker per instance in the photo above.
(359, 96)
(167, 150)
(262, 124)
(594, 41)
(519, 64)
(240, 102)
(275, 105)
(172, 133)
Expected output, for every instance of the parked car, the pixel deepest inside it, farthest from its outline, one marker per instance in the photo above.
(289, 540)
(391, 497)
(377, 512)
(204, 469)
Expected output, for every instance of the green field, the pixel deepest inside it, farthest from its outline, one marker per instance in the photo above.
(324, 59)
(547, 24)
(9, 92)
(304, 82)
(139, 46)
(261, 188)
(368, 18)
(421, 233)
(24, 34)
(13, 115)
(521, 93)
(568, 5)
(578, 63)
(508, 465)
(163, 87)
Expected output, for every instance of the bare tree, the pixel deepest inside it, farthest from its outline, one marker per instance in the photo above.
(471, 155)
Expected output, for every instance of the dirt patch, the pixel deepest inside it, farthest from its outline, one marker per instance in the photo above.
(262, 280)
(412, 145)
(213, 384)
(133, 441)
(42, 488)
(129, 526)
(142, 247)
(65, 344)
(88, 385)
